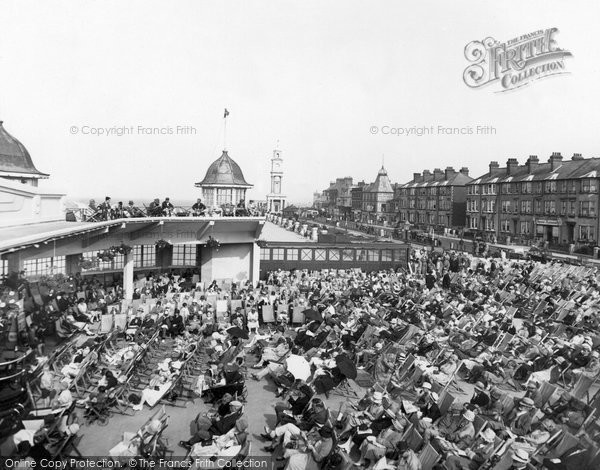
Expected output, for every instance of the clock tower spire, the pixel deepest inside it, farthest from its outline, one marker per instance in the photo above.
(275, 198)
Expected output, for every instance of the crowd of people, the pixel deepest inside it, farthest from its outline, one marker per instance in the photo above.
(456, 362)
(107, 210)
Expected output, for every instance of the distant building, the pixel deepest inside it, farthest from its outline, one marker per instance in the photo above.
(276, 199)
(555, 202)
(375, 199)
(224, 183)
(337, 198)
(433, 202)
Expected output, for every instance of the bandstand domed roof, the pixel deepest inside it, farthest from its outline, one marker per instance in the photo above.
(224, 172)
(15, 159)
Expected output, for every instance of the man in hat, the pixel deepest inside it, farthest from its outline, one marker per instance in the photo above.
(479, 452)
(519, 419)
(316, 415)
(431, 409)
(226, 445)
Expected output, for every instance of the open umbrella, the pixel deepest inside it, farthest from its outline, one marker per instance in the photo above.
(346, 366)
(298, 367)
(312, 314)
(237, 332)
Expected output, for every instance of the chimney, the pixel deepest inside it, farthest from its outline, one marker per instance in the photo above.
(427, 176)
(416, 177)
(465, 171)
(511, 166)
(576, 157)
(438, 174)
(555, 160)
(532, 163)
(493, 167)
(449, 173)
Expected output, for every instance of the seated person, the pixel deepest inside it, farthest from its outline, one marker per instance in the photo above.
(225, 445)
(204, 428)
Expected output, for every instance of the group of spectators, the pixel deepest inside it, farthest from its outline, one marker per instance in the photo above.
(457, 362)
(107, 210)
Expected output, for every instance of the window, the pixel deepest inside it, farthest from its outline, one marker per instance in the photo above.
(386, 255)
(3, 267)
(586, 232)
(334, 255)
(306, 254)
(473, 222)
(42, 266)
(320, 254)
(505, 225)
(348, 255)
(117, 263)
(144, 256)
(505, 206)
(278, 254)
(587, 208)
(373, 255)
(292, 254)
(526, 187)
(550, 207)
(537, 187)
(550, 186)
(589, 185)
(525, 227)
(361, 255)
(538, 206)
(525, 207)
(265, 254)
(184, 255)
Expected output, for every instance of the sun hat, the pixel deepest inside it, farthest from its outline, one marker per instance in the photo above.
(527, 402)
(520, 456)
(469, 415)
(377, 397)
(426, 385)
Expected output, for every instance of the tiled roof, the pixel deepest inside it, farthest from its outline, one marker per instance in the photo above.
(569, 169)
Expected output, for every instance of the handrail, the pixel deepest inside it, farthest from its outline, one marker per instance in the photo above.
(15, 361)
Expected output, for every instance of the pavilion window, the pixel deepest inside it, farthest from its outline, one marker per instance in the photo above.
(265, 254)
(3, 267)
(42, 266)
(306, 254)
(334, 255)
(386, 255)
(292, 254)
(184, 255)
(348, 255)
(144, 256)
(361, 255)
(320, 254)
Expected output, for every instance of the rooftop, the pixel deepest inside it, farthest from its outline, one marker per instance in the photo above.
(15, 159)
(224, 171)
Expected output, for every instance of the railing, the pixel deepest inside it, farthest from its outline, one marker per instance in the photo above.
(89, 214)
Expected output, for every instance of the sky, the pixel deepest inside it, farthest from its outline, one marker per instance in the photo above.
(315, 76)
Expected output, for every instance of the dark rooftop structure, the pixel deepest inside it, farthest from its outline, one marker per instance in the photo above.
(15, 161)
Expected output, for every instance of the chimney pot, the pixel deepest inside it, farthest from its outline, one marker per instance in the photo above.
(465, 171)
(577, 157)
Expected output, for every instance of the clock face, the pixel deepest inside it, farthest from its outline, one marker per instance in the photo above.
(276, 165)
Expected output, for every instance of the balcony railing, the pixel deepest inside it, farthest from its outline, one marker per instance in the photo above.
(96, 214)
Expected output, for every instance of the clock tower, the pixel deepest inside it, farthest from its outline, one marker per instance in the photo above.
(275, 199)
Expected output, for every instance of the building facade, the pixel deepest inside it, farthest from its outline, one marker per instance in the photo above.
(433, 202)
(554, 202)
(376, 198)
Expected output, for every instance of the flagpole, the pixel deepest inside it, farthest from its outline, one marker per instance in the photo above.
(225, 132)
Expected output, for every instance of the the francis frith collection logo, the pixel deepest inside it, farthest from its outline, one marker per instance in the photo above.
(515, 63)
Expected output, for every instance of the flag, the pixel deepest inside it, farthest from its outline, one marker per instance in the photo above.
(226, 113)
